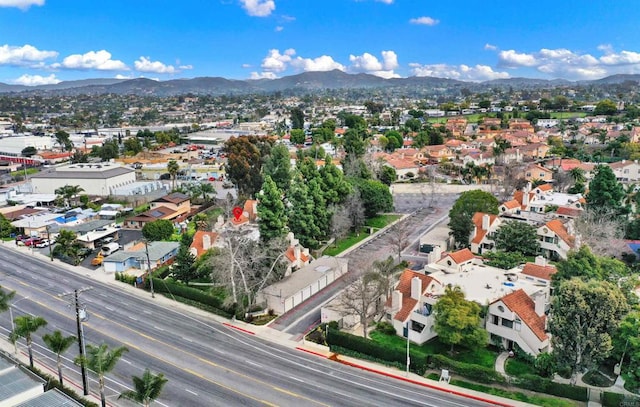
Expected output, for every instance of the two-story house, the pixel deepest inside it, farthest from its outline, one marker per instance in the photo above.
(556, 239)
(485, 227)
(178, 202)
(409, 309)
(520, 319)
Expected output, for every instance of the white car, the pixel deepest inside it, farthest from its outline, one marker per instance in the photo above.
(42, 243)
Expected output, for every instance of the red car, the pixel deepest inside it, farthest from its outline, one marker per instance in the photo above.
(33, 241)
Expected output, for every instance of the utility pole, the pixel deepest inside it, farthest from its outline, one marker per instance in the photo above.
(81, 316)
(49, 242)
(146, 250)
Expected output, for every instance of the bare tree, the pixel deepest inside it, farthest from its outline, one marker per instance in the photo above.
(399, 235)
(340, 223)
(363, 298)
(602, 232)
(562, 180)
(246, 266)
(355, 208)
(512, 180)
(428, 189)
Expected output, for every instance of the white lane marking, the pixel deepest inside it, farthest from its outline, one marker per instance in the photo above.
(108, 308)
(187, 339)
(133, 318)
(191, 391)
(158, 328)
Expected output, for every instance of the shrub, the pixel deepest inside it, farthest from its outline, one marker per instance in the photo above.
(180, 290)
(475, 372)
(385, 328)
(540, 384)
(372, 349)
(609, 399)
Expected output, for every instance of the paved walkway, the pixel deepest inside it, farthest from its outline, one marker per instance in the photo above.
(501, 361)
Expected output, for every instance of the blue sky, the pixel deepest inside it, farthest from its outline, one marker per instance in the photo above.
(47, 41)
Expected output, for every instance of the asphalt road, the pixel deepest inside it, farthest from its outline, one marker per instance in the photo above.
(299, 320)
(207, 364)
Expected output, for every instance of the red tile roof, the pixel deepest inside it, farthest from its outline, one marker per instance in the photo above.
(290, 253)
(404, 286)
(523, 306)
(558, 228)
(512, 204)
(568, 211)
(477, 221)
(538, 271)
(197, 241)
(545, 187)
(461, 256)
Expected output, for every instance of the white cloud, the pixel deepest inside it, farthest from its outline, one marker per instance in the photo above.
(246, 66)
(145, 64)
(34, 80)
(279, 28)
(319, 64)
(21, 4)
(100, 60)
(459, 72)
(277, 62)
(385, 1)
(263, 75)
(424, 21)
(370, 64)
(185, 67)
(24, 55)
(119, 76)
(490, 47)
(513, 59)
(258, 8)
(623, 58)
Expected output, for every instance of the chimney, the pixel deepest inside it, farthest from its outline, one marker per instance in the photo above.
(541, 261)
(193, 251)
(540, 300)
(525, 197)
(206, 242)
(296, 252)
(416, 288)
(396, 300)
(485, 222)
(435, 255)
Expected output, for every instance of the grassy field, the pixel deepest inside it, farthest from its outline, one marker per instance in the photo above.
(343, 244)
(474, 118)
(482, 356)
(30, 171)
(517, 367)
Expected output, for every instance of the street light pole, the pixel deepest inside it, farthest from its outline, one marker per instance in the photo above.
(146, 250)
(13, 326)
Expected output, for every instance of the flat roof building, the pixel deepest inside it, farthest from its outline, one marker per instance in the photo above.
(95, 179)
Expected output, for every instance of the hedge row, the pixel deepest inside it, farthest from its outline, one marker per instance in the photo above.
(475, 372)
(609, 399)
(543, 385)
(375, 350)
(181, 290)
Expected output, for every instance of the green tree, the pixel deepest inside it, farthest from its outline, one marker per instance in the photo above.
(67, 245)
(421, 139)
(375, 195)
(585, 316)
(605, 192)
(146, 388)
(206, 189)
(278, 166)
(245, 156)
(25, 326)
(272, 218)
(58, 344)
(63, 140)
(333, 183)
(585, 265)
(321, 213)
(394, 140)
(29, 151)
(297, 118)
(413, 124)
(387, 175)
(606, 107)
(132, 146)
(301, 214)
(457, 320)
(101, 360)
(504, 260)
(173, 168)
(297, 136)
(354, 142)
(461, 214)
(158, 230)
(627, 349)
(69, 193)
(184, 265)
(6, 228)
(5, 297)
(517, 237)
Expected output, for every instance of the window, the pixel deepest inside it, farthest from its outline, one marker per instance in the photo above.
(417, 326)
(506, 323)
(500, 308)
(495, 319)
(517, 325)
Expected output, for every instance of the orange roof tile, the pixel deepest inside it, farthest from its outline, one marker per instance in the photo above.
(461, 256)
(290, 253)
(197, 242)
(545, 187)
(523, 306)
(477, 221)
(512, 204)
(558, 228)
(538, 271)
(568, 211)
(404, 286)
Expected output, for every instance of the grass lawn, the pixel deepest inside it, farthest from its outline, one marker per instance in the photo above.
(515, 395)
(381, 221)
(517, 367)
(377, 222)
(483, 356)
(30, 171)
(595, 378)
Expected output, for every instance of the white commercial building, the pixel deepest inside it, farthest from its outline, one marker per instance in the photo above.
(95, 179)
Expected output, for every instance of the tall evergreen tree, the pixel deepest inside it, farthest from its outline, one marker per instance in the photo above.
(605, 192)
(272, 217)
(301, 214)
(278, 166)
(334, 185)
(321, 213)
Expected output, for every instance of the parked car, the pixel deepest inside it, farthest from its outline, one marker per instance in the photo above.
(33, 241)
(42, 243)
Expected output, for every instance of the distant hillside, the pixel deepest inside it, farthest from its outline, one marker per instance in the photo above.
(307, 81)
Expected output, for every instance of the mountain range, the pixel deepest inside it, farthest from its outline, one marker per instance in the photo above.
(307, 81)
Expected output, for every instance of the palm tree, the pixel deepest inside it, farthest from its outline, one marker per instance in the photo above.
(69, 192)
(577, 174)
(172, 168)
(58, 344)
(388, 269)
(25, 325)
(146, 388)
(101, 360)
(5, 297)
(206, 189)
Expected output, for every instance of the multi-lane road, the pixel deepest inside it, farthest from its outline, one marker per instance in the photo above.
(207, 363)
